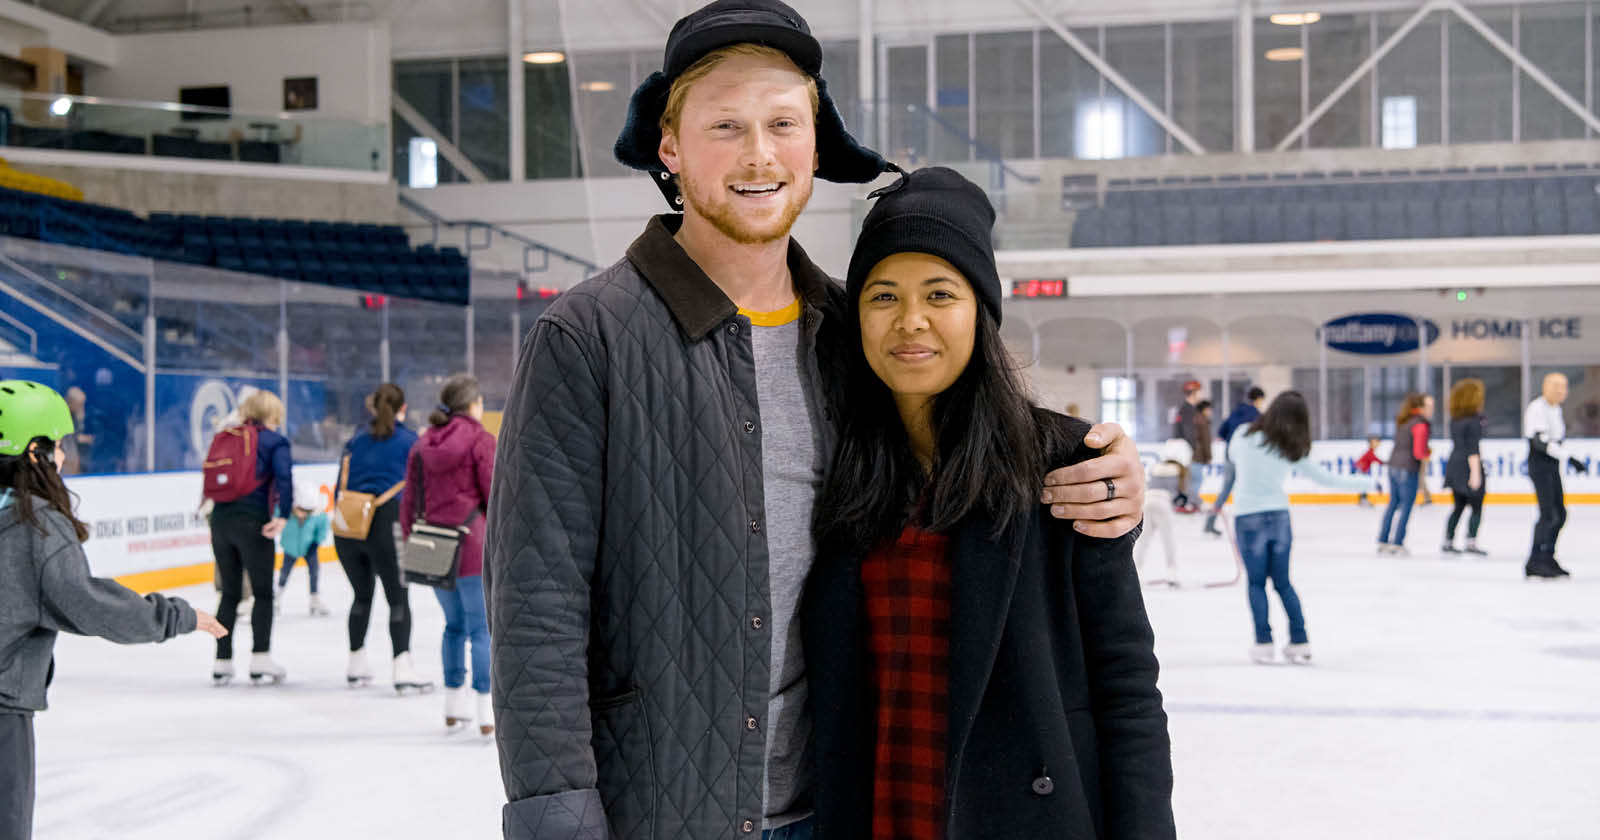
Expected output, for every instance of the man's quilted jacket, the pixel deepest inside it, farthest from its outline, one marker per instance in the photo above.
(627, 566)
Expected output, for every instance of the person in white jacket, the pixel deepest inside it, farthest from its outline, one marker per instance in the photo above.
(1546, 431)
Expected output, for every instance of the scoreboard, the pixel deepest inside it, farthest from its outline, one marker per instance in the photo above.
(1038, 288)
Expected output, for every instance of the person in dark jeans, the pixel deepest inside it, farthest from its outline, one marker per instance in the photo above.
(242, 532)
(1463, 473)
(375, 462)
(1265, 452)
(1242, 415)
(1546, 430)
(1406, 463)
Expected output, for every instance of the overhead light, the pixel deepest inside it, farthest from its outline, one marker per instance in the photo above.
(61, 106)
(545, 57)
(597, 86)
(1296, 18)
(1286, 54)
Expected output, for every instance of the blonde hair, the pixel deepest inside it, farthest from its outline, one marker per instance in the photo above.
(702, 68)
(264, 407)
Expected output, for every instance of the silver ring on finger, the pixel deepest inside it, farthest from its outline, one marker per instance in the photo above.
(1111, 489)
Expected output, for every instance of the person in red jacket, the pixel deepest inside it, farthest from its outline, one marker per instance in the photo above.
(1364, 465)
(447, 484)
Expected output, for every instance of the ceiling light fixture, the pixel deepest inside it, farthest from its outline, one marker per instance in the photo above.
(545, 57)
(1286, 54)
(599, 86)
(1296, 18)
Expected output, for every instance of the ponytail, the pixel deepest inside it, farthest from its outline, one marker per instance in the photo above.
(385, 404)
(457, 395)
(30, 475)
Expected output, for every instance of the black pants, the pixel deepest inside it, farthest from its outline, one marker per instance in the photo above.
(1545, 473)
(1465, 501)
(372, 557)
(16, 776)
(241, 550)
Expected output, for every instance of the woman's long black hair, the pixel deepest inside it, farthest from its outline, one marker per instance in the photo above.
(989, 455)
(1286, 425)
(30, 475)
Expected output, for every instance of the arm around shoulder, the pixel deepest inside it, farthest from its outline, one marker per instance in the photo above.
(545, 513)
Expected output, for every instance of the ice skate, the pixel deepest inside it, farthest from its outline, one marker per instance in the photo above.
(1297, 654)
(318, 609)
(405, 676)
(222, 672)
(358, 673)
(263, 671)
(1473, 549)
(1211, 526)
(1544, 566)
(1399, 551)
(1384, 549)
(1263, 654)
(485, 715)
(457, 709)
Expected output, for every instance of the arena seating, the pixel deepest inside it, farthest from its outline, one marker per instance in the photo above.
(369, 258)
(1544, 200)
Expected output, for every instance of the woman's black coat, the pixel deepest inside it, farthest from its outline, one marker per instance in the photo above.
(1056, 726)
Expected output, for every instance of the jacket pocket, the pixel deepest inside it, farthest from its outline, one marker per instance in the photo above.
(625, 761)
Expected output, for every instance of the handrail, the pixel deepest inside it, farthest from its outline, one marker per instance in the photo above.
(529, 244)
(34, 277)
(984, 153)
(180, 108)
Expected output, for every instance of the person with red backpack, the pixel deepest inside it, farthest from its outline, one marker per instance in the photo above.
(248, 476)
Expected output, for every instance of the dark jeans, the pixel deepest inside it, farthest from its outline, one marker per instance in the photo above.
(1264, 542)
(1402, 495)
(802, 830)
(16, 776)
(313, 568)
(1230, 472)
(372, 557)
(464, 619)
(240, 550)
(1545, 473)
(1465, 501)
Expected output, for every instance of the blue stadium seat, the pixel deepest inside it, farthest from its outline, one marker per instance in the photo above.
(1358, 220)
(1548, 216)
(1516, 215)
(1177, 222)
(1267, 222)
(1583, 215)
(1327, 221)
(1313, 188)
(1297, 226)
(1148, 202)
(1391, 219)
(1236, 223)
(1483, 217)
(1453, 217)
(1117, 228)
(1207, 224)
(1486, 188)
(1230, 189)
(1343, 186)
(1086, 229)
(1147, 227)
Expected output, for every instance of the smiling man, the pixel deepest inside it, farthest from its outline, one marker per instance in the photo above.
(663, 444)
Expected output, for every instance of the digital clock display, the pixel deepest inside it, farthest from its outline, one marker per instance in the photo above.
(1038, 288)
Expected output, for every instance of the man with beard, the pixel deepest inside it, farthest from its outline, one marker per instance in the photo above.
(665, 436)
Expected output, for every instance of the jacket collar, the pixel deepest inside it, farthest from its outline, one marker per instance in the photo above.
(983, 577)
(697, 303)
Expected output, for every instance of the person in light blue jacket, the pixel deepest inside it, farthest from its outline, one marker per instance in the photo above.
(302, 538)
(1264, 454)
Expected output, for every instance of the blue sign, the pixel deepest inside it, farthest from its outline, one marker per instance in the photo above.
(1376, 333)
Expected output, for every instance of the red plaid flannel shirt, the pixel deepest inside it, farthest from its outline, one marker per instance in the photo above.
(908, 611)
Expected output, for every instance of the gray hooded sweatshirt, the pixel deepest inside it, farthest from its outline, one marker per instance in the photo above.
(46, 588)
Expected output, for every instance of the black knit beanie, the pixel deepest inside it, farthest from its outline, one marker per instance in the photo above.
(931, 211)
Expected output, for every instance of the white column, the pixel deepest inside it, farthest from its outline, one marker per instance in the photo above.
(472, 340)
(150, 376)
(1527, 364)
(1222, 403)
(867, 74)
(1244, 88)
(1422, 354)
(1322, 385)
(283, 348)
(383, 344)
(516, 95)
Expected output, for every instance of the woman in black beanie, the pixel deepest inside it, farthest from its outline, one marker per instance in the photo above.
(977, 668)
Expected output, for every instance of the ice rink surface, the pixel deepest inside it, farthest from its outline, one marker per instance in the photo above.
(1449, 699)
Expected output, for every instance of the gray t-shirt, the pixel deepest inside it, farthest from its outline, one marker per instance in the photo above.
(792, 476)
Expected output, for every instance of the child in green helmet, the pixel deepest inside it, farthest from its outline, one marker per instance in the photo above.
(46, 587)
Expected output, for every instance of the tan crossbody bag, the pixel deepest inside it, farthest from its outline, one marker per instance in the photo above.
(352, 511)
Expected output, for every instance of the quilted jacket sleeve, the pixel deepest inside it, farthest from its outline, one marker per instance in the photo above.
(542, 540)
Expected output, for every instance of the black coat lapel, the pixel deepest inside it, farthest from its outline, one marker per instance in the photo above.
(983, 576)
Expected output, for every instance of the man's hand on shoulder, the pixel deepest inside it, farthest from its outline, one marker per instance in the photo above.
(1105, 494)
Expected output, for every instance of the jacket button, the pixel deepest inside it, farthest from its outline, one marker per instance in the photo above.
(755, 527)
(733, 329)
(1044, 786)
(751, 724)
(747, 827)
(749, 427)
(755, 622)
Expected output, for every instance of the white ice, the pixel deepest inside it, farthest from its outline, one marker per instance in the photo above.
(1449, 699)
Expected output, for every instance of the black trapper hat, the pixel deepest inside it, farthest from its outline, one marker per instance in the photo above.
(721, 24)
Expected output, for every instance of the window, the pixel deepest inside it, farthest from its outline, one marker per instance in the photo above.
(1412, 69)
(952, 98)
(1399, 122)
(1119, 403)
(1480, 80)
(1202, 83)
(1552, 37)
(483, 134)
(1004, 96)
(423, 162)
(1069, 90)
(1335, 46)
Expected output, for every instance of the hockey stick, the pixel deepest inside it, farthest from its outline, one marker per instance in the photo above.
(1238, 559)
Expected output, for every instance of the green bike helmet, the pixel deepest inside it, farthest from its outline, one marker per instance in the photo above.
(29, 410)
